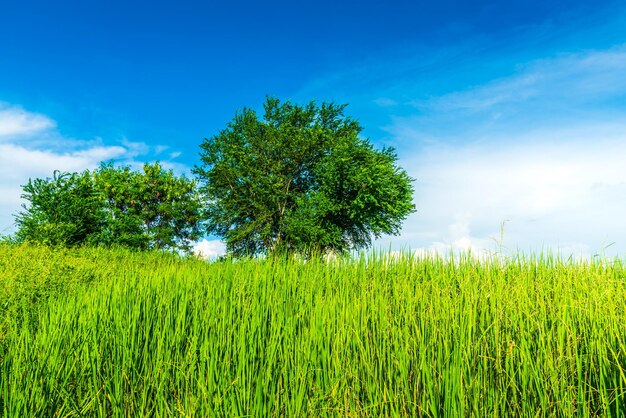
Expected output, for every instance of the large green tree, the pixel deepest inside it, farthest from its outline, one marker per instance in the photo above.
(148, 209)
(300, 178)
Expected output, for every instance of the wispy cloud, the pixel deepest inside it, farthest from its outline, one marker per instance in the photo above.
(15, 122)
(572, 79)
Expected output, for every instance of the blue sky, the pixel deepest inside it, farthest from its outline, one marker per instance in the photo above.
(503, 111)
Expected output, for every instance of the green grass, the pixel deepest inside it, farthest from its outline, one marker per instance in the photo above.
(116, 333)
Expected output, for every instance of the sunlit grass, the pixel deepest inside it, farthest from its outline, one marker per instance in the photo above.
(115, 333)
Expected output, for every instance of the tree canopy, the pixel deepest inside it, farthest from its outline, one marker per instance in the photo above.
(152, 209)
(299, 179)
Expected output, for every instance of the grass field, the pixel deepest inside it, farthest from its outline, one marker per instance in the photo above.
(112, 333)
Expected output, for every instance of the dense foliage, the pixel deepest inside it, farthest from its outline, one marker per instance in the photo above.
(117, 333)
(152, 209)
(65, 209)
(300, 178)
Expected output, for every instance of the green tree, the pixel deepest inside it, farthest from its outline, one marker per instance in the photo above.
(152, 209)
(64, 209)
(300, 179)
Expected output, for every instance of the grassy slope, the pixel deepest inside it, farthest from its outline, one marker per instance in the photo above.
(114, 333)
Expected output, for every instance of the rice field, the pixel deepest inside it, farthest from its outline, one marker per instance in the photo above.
(114, 333)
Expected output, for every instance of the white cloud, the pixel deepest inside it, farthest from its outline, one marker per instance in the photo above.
(135, 148)
(209, 249)
(17, 162)
(15, 121)
(565, 195)
(458, 240)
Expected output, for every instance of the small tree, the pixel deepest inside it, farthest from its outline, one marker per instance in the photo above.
(300, 179)
(153, 209)
(63, 210)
